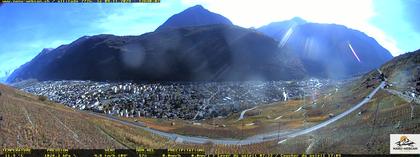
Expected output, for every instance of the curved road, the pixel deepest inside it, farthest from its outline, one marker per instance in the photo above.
(244, 111)
(253, 139)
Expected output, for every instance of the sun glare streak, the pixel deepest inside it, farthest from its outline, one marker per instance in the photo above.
(354, 53)
(286, 37)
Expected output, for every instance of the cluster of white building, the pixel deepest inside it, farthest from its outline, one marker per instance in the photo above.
(169, 100)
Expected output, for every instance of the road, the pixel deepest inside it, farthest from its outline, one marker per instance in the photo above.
(208, 101)
(403, 96)
(243, 113)
(250, 140)
(341, 115)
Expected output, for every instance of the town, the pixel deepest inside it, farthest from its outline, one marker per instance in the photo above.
(188, 101)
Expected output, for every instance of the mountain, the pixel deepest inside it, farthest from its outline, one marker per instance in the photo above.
(404, 71)
(328, 50)
(194, 16)
(201, 53)
(276, 30)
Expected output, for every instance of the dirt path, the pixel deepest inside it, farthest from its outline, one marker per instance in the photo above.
(403, 96)
(27, 116)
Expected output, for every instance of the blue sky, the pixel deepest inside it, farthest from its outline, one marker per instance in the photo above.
(28, 28)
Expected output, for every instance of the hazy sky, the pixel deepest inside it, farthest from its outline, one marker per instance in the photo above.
(28, 28)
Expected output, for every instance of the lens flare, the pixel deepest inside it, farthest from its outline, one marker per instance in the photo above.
(286, 37)
(354, 52)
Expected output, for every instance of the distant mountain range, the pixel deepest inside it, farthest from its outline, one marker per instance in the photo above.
(328, 50)
(198, 45)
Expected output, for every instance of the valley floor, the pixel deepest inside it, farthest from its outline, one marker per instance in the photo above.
(32, 121)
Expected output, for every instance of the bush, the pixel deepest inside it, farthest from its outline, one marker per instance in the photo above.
(314, 113)
(42, 98)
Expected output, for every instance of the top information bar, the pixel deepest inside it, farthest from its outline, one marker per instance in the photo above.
(79, 1)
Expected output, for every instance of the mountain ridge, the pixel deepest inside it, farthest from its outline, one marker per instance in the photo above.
(328, 50)
(305, 49)
(193, 16)
(198, 53)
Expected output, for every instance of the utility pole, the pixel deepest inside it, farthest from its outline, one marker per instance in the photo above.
(304, 105)
(373, 127)
(278, 132)
(214, 124)
(304, 102)
(242, 123)
(412, 109)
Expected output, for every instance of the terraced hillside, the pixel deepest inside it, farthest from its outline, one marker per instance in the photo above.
(31, 121)
(393, 110)
(34, 122)
(404, 72)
